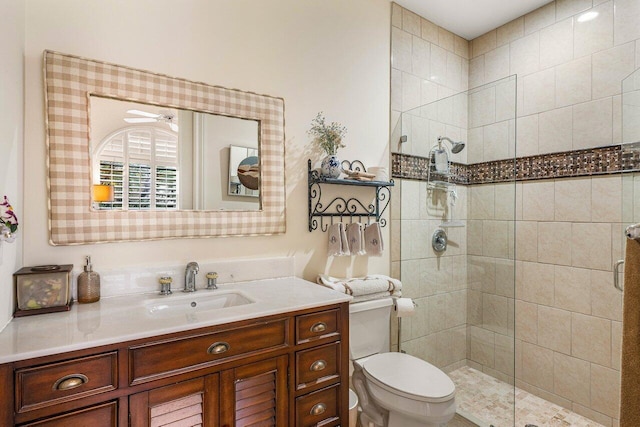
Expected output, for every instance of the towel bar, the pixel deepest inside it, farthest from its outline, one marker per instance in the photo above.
(616, 274)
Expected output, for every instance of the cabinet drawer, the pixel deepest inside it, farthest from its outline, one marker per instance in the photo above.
(315, 326)
(319, 408)
(55, 383)
(161, 359)
(105, 415)
(317, 365)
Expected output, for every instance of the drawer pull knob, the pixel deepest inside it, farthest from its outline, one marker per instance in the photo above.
(319, 327)
(218, 348)
(318, 409)
(69, 382)
(318, 365)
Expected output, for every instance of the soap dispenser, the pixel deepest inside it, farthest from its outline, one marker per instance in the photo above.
(88, 284)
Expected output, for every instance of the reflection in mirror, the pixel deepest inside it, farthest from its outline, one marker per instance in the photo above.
(244, 171)
(160, 158)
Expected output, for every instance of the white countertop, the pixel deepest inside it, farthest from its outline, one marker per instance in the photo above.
(123, 318)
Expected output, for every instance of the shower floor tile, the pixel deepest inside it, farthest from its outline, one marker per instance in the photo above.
(487, 401)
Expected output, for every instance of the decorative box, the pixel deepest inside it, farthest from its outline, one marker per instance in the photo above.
(43, 289)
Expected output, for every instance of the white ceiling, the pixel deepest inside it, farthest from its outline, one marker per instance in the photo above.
(471, 18)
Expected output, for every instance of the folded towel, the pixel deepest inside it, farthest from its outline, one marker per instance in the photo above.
(374, 284)
(630, 367)
(338, 243)
(373, 243)
(355, 236)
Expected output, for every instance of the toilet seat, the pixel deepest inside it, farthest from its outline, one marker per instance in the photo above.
(397, 373)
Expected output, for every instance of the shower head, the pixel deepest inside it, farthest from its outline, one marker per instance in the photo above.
(456, 147)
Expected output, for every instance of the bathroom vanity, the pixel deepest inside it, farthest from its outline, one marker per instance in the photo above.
(281, 359)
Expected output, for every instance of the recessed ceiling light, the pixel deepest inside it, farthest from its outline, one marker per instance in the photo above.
(587, 16)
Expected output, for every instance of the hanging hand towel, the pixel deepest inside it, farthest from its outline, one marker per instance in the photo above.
(373, 240)
(355, 236)
(338, 244)
(630, 367)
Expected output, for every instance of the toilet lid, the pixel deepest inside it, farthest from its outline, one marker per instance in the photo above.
(409, 376)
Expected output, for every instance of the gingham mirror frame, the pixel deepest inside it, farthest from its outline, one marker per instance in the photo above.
(69, 80)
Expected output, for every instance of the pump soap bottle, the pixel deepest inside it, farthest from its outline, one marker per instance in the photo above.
(88, 284)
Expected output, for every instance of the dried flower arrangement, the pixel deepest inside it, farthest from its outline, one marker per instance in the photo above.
(327, 136)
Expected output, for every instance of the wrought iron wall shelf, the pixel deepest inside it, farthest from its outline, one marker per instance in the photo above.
(342, 208)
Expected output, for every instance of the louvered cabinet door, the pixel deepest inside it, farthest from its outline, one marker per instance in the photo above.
(186, 404)
(255, 395)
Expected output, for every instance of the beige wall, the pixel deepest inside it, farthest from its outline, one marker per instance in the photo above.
(329, 56)
(11, 140)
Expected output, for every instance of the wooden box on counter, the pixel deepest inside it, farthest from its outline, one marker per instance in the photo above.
(42, 289)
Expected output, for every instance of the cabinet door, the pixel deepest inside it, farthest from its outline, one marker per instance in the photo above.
(255, 394)
(189, 403)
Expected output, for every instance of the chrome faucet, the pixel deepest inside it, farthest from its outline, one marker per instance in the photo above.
(190, 277)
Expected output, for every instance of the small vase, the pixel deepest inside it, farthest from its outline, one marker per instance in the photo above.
(6, 235)
(330, 167)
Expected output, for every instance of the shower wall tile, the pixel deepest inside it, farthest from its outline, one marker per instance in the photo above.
(540, 18)
(573, 289)
(567, 8)
(591, 338)
(556, 44)
(528, 136)
(554, 240)
(526, 321)
(538, 201)
(483, 44)
(605, 390)
(537, 283)
(538, 92)
(510, 31)
(496, 65)
(606, 199)
(525, 54)
(572, 378)
(481, 346)
(537, 366)
(429, 31)
(573, 200)
(555, 130)
(606, 301)
(616, 347)
(610, 67)
(527, 240)
(554, 329)
(573, 82)
(591, 246)
(627, 15)
(593, 124)
(594, 35)
(411, 22)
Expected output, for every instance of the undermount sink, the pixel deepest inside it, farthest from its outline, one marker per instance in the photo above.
(196, 302)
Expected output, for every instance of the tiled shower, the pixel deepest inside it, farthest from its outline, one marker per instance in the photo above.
(524, 293)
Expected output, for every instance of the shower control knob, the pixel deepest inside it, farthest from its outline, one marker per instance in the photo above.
(439, 241)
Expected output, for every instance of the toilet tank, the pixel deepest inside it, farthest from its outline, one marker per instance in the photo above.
(369, 327)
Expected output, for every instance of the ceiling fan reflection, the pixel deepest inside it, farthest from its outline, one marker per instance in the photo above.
(163, 117)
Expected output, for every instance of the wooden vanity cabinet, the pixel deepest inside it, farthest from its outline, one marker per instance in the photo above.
(283, 370)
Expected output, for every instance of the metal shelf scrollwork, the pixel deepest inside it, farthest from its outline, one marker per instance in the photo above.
(343, 208)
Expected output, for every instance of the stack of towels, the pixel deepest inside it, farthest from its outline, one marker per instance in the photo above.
(355, 239)
(366, 288)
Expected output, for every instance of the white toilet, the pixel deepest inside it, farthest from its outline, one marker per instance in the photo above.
(394, 389)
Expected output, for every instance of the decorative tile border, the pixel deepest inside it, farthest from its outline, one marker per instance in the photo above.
(568, 164)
